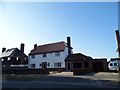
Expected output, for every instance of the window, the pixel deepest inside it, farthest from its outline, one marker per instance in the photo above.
(32, 65)
(33, 56)
(111, 64)
(86, 65)
(57, 64)
(44, 55)
(40, 64)
(115, 64)
(57, 53)
(77, 65)
(48, 64)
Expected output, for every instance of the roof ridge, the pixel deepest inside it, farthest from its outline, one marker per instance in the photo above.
(52, 43)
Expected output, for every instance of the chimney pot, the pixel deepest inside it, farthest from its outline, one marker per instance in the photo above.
(69, 45)
(22, 47)
(3, 49)
(35, 45)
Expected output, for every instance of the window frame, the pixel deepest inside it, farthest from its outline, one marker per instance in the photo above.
(32, 56)
(57, 53)
(57, 64)
(32, 65)
(44, 55)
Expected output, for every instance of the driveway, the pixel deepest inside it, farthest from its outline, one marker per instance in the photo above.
(105, 77)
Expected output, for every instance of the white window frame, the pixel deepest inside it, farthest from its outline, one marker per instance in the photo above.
(44, 55)
(32, 56)
(57, 64)
(57, 53)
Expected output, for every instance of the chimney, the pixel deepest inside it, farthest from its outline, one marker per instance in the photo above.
(69, 45)
(3, 49)
(35, 45)
(22, 47)
(118, 41)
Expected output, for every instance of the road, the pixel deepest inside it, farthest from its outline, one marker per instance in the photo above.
(61, 81)
(39, 84)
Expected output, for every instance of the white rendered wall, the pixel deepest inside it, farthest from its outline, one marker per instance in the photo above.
(51, 58)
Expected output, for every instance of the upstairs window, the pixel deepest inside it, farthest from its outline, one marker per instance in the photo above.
(44, 55)
(32, 56)
(57, 53)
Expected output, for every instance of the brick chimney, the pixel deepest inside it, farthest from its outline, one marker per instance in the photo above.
(35, 45)
(3, 49)
(69, 45)
(22, 47)
(22, 50)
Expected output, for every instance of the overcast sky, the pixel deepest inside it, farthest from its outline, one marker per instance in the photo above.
(90, 25)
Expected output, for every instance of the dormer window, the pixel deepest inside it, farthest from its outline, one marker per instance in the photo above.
(57, 53)
(44, 55)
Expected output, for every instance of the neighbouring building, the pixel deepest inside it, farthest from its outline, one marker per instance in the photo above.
(100, 65)
(78, 61)
(50, 56)
(14, 57)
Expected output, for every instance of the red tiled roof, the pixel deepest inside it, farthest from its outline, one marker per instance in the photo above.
(47, 48)
(77, 57)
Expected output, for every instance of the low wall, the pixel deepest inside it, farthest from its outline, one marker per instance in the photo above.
(81, 71)
(24, 71)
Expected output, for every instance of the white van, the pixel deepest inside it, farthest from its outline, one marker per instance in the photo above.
(114, 65)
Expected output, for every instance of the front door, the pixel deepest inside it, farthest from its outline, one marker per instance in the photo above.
(44, 65)
(68, 66)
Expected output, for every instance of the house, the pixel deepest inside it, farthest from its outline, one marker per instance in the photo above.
(78, 61)
(50, 56)
(14, 57)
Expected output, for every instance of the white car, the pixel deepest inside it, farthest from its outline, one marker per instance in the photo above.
(114, 65)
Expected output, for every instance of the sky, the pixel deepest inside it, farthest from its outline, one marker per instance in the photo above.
(91, 26)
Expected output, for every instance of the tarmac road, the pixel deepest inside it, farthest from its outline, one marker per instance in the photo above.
(56, 82)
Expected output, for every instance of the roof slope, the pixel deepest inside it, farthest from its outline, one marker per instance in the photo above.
(77, 57)
(53, 47)
(13, 52)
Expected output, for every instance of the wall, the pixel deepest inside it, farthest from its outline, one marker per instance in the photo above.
(51, 58)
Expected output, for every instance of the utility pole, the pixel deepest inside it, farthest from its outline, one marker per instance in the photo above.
(118, 50)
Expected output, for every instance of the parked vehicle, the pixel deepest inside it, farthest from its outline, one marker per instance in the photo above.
(114, 64)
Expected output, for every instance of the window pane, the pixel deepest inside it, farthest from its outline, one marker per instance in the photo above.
(115, 64)
(57, 64)
(48, 64)
(32, 65)
(40, 64)
(33, 56)
(57, 53)
(111, 64)
(44, 55)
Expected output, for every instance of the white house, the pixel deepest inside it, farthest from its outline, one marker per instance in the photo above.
(50, 56)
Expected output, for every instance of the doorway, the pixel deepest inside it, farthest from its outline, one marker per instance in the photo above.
(68, 66)
(44, 65)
